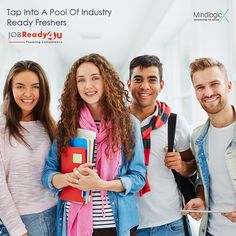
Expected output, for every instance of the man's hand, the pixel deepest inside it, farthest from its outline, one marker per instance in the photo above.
(195, 204)
(183, 162)
(173, 161)
(231, 216)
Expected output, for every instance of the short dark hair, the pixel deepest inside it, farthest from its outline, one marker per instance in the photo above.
(145, 61)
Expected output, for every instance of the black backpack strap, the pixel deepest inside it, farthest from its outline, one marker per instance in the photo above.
(171, 131)
(171, 138)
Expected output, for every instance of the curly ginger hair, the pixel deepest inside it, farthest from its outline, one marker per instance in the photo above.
(113, 104)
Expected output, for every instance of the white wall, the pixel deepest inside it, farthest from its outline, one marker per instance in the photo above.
(179, 39)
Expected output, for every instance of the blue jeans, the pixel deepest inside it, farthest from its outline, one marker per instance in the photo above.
(3, 231)
(175, 228)
(208, 234)
(38, 224)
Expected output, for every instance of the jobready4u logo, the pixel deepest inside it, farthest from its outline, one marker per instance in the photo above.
(223, 15)
(43, 35)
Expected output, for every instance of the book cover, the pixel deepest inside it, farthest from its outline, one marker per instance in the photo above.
(72, 157)
(90, 136)
(79, 142)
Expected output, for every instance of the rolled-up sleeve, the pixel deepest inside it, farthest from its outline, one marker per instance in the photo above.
(199, 179)
(52, 167)
(135, 177)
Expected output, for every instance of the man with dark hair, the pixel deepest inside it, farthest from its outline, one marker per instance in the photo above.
(159, 202)
(214, 146)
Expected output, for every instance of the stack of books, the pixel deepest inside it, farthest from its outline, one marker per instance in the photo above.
(80, 151)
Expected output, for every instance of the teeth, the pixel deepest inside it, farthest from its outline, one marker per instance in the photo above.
(210, 99)
(27, 101)
(90, 93)
(144, 94)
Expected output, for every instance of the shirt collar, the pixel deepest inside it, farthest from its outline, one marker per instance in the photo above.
(147, 119)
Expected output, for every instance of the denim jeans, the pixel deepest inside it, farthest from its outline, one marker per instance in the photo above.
(208, 234)
(38, 224)
(174, 228)
(3, 231)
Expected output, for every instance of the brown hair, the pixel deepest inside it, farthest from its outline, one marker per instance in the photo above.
(112, 103)
(204, 63)
(40, 112)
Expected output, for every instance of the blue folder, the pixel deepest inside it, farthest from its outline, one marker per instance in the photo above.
(79, 142)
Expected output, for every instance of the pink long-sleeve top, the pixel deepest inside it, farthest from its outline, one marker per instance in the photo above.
(21, 190)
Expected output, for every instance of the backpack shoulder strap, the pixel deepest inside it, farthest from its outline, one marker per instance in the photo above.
(171, 131)
(171, 138)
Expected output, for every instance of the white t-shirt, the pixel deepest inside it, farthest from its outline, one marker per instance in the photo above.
(162, 204)
(222, 195)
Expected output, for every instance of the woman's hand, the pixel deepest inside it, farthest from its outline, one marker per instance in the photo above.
(60, 180)
(85, 178)
(82, 169)
(73, 177)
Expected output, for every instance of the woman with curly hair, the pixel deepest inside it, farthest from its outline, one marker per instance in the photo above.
(26, 133)
(94, 98)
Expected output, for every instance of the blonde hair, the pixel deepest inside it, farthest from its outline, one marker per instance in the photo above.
(204, 63)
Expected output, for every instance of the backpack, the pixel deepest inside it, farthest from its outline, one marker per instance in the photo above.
(186, 185)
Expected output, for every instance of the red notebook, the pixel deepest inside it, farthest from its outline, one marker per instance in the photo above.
(72, 157)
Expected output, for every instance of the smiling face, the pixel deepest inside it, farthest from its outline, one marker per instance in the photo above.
(145, 85)
(90, 84)
(211, 89)
(25, 90)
